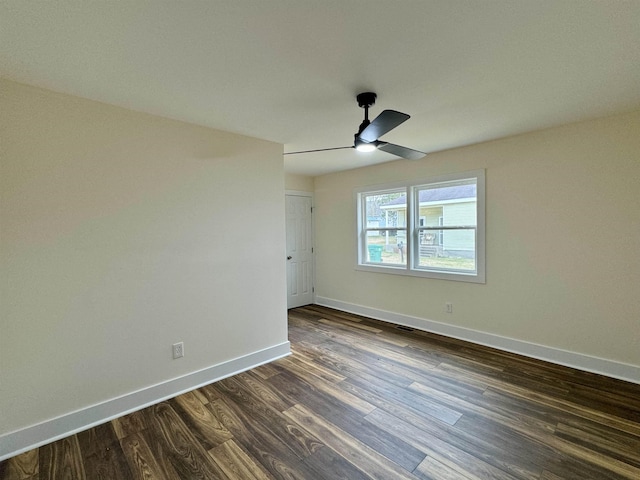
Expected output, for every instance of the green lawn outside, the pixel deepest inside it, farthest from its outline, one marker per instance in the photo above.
(394, 256)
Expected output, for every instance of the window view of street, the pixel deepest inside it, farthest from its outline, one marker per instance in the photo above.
(449, 206)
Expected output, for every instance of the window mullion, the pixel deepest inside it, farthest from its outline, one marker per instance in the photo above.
(411, 226)
(362, 229)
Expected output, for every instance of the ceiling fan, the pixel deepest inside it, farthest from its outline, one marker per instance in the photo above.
(367, 137)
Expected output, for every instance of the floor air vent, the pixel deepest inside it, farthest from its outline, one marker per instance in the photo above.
(406, 329)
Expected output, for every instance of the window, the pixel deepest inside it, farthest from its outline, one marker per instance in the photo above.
(431, 228)
(385, 230)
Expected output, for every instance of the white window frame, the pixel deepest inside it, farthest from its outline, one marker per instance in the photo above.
(411, 268)
(363, 228)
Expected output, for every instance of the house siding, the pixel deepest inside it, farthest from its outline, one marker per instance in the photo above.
(459, 214)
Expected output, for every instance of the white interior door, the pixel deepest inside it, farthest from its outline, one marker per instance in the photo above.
(299, 251)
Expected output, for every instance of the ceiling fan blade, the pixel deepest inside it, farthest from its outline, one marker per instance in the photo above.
(383, 123)
(318, 150)
(399, 151)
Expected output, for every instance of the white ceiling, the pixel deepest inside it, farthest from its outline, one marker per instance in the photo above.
(288, 71)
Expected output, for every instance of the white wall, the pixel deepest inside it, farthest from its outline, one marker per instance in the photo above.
(563, 232)
(301, 183)
(121, 234)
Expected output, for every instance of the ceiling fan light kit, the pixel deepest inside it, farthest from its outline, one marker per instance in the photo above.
(366, 139)
(363, 146)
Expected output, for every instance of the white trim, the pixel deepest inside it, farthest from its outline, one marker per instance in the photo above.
(395, 269)
(19, 441)
(602, 366)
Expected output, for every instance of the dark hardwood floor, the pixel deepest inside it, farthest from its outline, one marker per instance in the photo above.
(364, 399)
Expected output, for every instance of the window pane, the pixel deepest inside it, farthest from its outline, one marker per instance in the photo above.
(386, 210)
(448, 204)
(433, 255)
(386, 247)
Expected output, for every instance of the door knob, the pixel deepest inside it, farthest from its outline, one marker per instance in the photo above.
(289, 257)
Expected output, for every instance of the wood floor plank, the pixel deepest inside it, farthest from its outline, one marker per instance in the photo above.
(327, 464)
(432, 469)
(438, 449)
(107, 464)
(97, 439)
(500, 446)
(615, 403)
(572, 468)
(264, 446)
(236, 463)
(61, 460)
(548, 400)
(361, 399)
(102, 454)
(537, 431)
(352, 422)
(494, 454)
(589, 457)
(471, 436)
(414, 401)
(265, 371)
(307, 365)
(271, 419)
(352, 325)
(200, 421)
(21, 467)
(356, 452)
(172, 443)
(264, 391)
(547, 475)
(499, 455)
(602, 439)
(297, 385)
(142, 462)
(339, 354)
(129, 424)
(498, 413)
(351, 362)
(208, 394)
(377, 346)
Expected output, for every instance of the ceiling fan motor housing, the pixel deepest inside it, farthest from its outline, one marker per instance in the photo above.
(366, 99)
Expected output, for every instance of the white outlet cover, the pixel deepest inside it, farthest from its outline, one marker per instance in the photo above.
(178, 350)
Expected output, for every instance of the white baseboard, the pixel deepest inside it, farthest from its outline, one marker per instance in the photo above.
(20, 441)
(610, 368)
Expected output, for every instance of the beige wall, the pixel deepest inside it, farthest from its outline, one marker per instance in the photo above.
(121, 234)
(563, 232)
(301, 183)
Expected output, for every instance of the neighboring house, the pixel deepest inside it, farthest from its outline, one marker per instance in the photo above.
(374, 222)
(442, 206)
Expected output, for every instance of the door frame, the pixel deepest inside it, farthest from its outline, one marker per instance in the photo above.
(301, 193)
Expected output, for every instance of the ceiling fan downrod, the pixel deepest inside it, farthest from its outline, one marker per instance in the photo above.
(365, 100)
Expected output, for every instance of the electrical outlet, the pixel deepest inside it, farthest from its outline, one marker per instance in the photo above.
(178, 350)
(448, 307)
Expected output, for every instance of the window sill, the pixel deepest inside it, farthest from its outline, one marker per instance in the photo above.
(401, 270)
